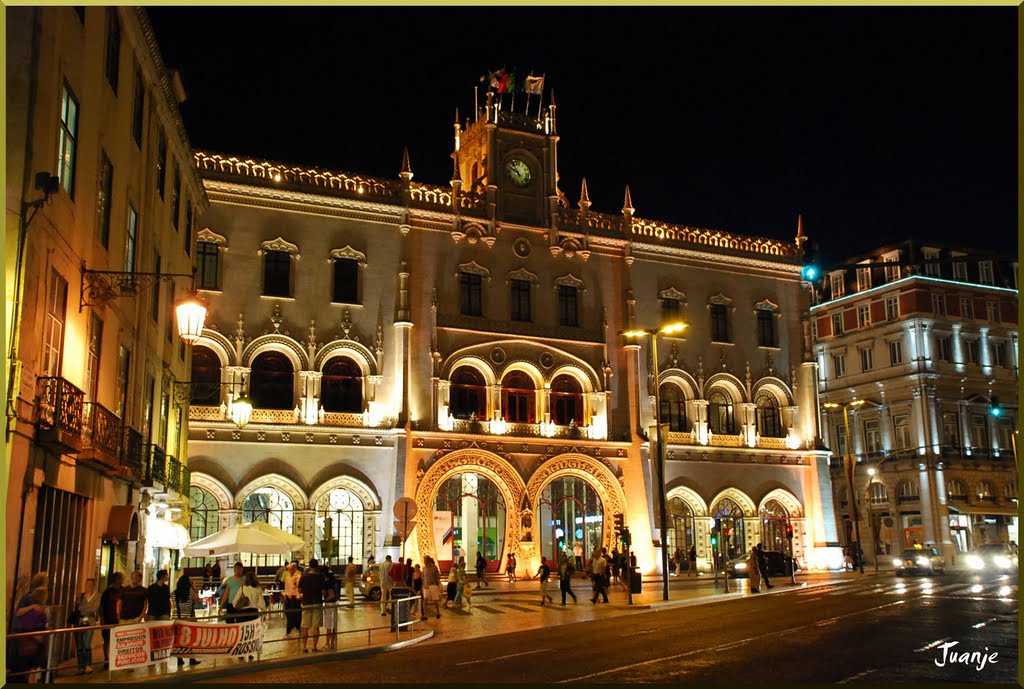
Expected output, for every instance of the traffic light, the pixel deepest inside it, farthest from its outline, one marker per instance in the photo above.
(619, 523)
(627, 540)
(994, 408)
(728, 532)
(714, 540)
(789, 531)
(810, 271)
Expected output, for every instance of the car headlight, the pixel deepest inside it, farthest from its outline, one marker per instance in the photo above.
(1002, 562)
(975, 562)
(740, 566)
(924, 562)
(897, 562)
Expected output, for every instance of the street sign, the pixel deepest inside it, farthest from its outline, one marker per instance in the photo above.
(405, 508)
(404, 528)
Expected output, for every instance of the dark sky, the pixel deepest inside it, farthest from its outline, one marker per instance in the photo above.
(876, 124)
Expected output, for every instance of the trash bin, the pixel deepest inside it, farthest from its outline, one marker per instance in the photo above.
(635, 581)
(400, 609)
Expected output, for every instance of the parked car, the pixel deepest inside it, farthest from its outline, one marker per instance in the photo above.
(993, 558)
(919, 561)
(369, 583)
(778, 565)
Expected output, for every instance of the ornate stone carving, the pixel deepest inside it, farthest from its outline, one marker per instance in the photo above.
(569, 280)
(348, 253)
(279, 244)
(474, 268)
(209, 236)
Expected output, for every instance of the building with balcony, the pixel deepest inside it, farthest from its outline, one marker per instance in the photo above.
(102, 194)
(926, 335)
(459, 345)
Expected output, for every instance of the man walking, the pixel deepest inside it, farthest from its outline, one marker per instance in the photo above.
(110, 611)
(292, 600)
(385, 584)
(350, 582)
(565, 572)
(762, 565)
(544, 574)
(232, 585)
(598, 567)
(577, 551)
(312, 586)
(481, 569)
(692, 571)
(159, 598)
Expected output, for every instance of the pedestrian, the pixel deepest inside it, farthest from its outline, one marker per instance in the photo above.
(330, 609)
(625, 572)
(510, 568)
(159, 598)
(208, 582)
(292, 600)
(577, 552)
(431, 586)
(215, 572)
(312, 587)
(231, 586)
(453, 585)
(398, 574)
(481, 569)
(692, 571)
(607, 568)
(753, 572)
(248, 602)
(86, 614)
(28, 654)
(544, 574)
(386, 582)
(350, 582)
(461, 579)
(408, 572)
(762, 565)
(515, 567)
(598, 568)
(134, 600)
(185, 599)
(615, 562)
(417, 589)
(110, 611)
(565, 572)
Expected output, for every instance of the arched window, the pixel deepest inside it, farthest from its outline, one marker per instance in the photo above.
(984, 492)
(956, 490)
(566, 401)
(729, 515)
(769, 423)
(270, 505)
(468, 394)
(680, 528)
(673, 407)
(205, 377)
(341, 388)
(204, 513)
(271, 384)
(339, 527)
(774, 519)
(569, 511)
(877, 495)
(720, 413)
(908, 491)
(518, 398)
(472, 509)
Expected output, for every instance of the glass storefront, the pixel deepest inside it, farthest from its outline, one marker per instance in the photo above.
(339, 527)
(680, 528)
(730, 516)
(774, 519)
(473, 510)
(569, 512)
(270, 505)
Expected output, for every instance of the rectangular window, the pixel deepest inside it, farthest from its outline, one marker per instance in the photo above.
(892, 308)
(171, 320)
(972, 351)
(765, 328)
(863, 279)
(838, 288)
(147, 412)
(124, 368)
(207, 256)
(156, 292)
(671, 310)
(106, 185)
(979, 431)
(470, 294)
(175, 197)
(277, 266)
(113, 47)
(985, 274)
(188, 227)
(931, 264)
(901, 432)
(945, 349)
(837, 323)
(863, 316)
(998, 354)
(872, 437)
(68, 146)
(164, 414)
(841, 441)
(814, 329)
(53, 329)
(131, 239)
(161, 164)
(892, 272)
(867, 360)
(839, 365)
(939, 304)
(520, 297)
(719, 323)
(960, 271)
(951, 429)
(992, 311)
(138, 105)
(92, 363)
(568, 307)
(895, 352)
(966, 307)
(346, 281)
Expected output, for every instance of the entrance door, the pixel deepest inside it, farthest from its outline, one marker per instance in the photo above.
(476, 512)
(569, 512)
(730, 516)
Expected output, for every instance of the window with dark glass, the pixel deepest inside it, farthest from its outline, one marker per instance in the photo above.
(518, 398)
(67, 152)
(124, 369)
(719, 323)
(769, 422)
(147, 412)
(766, 328)
(341, 387)
(271, 383)
(520, 296)
(113, 47)
(566, 401)
(161, 164)
(131, 240)
(137, 107)
(568, 306)
(207, 257)
(468, 395)
(205, 377)
(156, 291)
(470, 294)
(92, 364)
(346, 281)
(172, 319)
(673, 408)
(103, 199)
(277, 267)
(671, 310)
(175, 197)
(720, 413)
(188, 227)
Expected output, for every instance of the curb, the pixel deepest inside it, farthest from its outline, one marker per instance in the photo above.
(665, 605)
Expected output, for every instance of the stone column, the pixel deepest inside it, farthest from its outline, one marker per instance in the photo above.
(443, 392)
(943, 537)
(748, 429)
(700, 424)
(309, 401)
(927, 504)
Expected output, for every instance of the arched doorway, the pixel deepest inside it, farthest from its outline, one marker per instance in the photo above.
(569, 511)
(774, 519)
(339, 527)
(729, 516)
(271, 505)
(472, 512)
(341, 387)
(566, 401)
(681, 528)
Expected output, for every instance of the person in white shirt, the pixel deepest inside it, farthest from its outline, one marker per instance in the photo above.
(249, 601)
(385, 584)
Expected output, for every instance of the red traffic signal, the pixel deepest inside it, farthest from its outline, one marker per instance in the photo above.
(789, 531)
(728, 531)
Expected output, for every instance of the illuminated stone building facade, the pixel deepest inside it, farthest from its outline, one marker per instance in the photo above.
(96, 448)
(458, 345)
(926, 335)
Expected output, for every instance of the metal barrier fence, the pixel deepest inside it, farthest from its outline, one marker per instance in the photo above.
(52, 668)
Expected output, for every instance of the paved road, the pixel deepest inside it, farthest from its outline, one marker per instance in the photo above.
(876, 629)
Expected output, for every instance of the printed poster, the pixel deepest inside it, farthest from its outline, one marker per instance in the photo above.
(139, 645)
(199, 640)
(444, 535)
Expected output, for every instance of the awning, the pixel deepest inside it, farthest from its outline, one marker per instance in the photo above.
(167, 534)
(123, 524)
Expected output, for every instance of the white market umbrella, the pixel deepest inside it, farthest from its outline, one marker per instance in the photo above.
(280, 534)
(237, 539)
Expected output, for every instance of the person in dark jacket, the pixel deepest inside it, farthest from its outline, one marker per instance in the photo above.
(159, 596)
(481, 569)
(762, 564)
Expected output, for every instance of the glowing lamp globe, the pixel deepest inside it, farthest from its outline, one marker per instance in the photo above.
(191, 317)
(241, 411)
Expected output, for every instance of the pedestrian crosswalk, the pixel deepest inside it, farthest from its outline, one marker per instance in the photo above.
(504, 607)
(998, 589)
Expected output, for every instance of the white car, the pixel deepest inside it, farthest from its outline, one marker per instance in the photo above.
(993, 558)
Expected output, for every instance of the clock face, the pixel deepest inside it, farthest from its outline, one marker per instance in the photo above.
(518, 172)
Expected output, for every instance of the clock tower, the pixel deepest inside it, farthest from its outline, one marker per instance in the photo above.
(509, 157)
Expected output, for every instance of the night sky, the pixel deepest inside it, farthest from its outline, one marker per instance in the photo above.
(876, 124)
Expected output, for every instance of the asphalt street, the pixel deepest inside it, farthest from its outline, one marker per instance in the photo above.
(876, 629)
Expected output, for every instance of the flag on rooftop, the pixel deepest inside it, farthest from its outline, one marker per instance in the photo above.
(534, 84)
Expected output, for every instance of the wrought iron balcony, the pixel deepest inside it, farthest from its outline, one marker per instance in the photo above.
(173, 474)
(59, 415)
(103, 436)
(186, 481)
(131, 453)
(155, 466)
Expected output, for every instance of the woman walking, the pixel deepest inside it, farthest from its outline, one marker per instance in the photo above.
(431, 586)
(330, 609)
(753, 572)
(248, 602)
(510, 568)
(186, 598)
(87, 610)
(417, 590)
(460, 581)
(29, 653)
(565, 572)
(481, 569)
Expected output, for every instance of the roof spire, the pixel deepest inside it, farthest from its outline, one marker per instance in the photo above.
(800, 236)
(584, 196)
(406, 171)
(456, 176)
(627, 204)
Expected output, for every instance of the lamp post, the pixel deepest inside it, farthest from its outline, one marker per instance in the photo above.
(850, 466)
(667, 329)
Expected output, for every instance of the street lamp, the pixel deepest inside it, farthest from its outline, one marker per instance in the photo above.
(191, 317)
(666, 329)
(850, 467)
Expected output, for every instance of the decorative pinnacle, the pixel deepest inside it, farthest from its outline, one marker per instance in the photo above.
(456, 175)
(456, 117)
(627, 205)
(800, 236)
(406, 172)
(584, 196)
